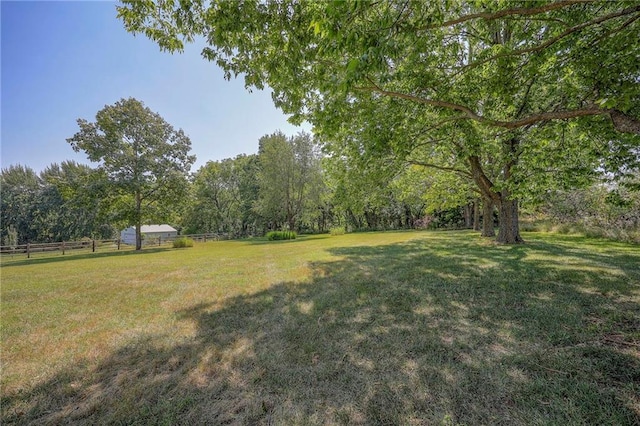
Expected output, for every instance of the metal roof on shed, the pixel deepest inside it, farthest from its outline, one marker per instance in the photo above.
(157, 228)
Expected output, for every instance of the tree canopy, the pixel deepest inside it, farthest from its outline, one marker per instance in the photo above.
(289, 179)
(481, 82)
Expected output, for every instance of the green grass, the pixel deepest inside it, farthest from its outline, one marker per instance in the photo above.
(378, 328)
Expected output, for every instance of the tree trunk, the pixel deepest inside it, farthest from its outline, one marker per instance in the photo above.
(487, 217)
(468, 216)
(476, 214)
(508, 228)
(138, 235)
(138, 221)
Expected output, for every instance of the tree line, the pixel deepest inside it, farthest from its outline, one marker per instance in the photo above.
(291, 184)
(286, 185)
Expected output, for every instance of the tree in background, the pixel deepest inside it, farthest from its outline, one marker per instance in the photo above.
(62, 203)
(21, 187)
(220, 197)
(73, 194)
(248, 166)
(143, 158)
(289, 179)
(482, 78)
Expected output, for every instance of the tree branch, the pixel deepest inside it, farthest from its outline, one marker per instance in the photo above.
(622, 122)
(521, 11)
(442, 104)
(480, 178)
(557, 38)
(625, 123)
(465, 173)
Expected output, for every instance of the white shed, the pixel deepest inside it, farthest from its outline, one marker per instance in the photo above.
(128, 236)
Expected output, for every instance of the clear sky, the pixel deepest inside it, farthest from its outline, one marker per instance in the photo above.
(66, 60)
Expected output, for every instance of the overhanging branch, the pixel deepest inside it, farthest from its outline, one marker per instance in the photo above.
(521, 11)
(622, 122)
(559, 37)
(465, 173)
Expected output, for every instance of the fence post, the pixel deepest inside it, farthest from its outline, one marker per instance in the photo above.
(159, 240)
(93, 246)
(118, 243)
(205, 238)
(28, 250)
(63, 248)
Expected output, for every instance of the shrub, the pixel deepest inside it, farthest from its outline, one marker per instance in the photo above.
(337, 230)
(281, 235)
(182, 242)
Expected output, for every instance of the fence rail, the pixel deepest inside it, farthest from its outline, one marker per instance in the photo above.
(92, 246)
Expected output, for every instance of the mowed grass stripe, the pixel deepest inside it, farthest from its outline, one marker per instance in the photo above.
(377, 328)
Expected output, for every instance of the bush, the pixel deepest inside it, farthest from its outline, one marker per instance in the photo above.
(182, 242)
(281, 235)
(337, 230)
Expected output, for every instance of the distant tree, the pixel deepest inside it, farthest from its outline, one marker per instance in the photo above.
(222, 197)
(216, 198)
(62, 203)
(249, 188)
(144, 160)
(21, 187)
(73, 197)
(289, 176)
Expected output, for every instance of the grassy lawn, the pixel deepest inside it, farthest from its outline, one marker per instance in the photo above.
(405, 328)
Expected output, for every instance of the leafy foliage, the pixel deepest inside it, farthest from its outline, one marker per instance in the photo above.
(337, 230)
(289, 179)
(61, 203)
(223, 193)
(144, 160)
(459, 86)
(595, 210)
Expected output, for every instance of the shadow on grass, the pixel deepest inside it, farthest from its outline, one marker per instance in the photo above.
(79, 256)
(263, 240)
(415, 333)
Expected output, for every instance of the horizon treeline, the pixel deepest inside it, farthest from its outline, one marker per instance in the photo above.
(288, 185)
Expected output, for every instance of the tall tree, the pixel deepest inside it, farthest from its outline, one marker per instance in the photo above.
(249, 188)
(143, 157)
(288, 178)
(405, 72)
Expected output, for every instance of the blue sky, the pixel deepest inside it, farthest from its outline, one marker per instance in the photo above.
(66, 60)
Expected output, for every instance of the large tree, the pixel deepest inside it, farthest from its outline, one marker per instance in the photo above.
(480, 77)
(144, 159)
(289, 179)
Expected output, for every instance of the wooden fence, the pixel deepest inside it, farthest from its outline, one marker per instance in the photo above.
(30, 250)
